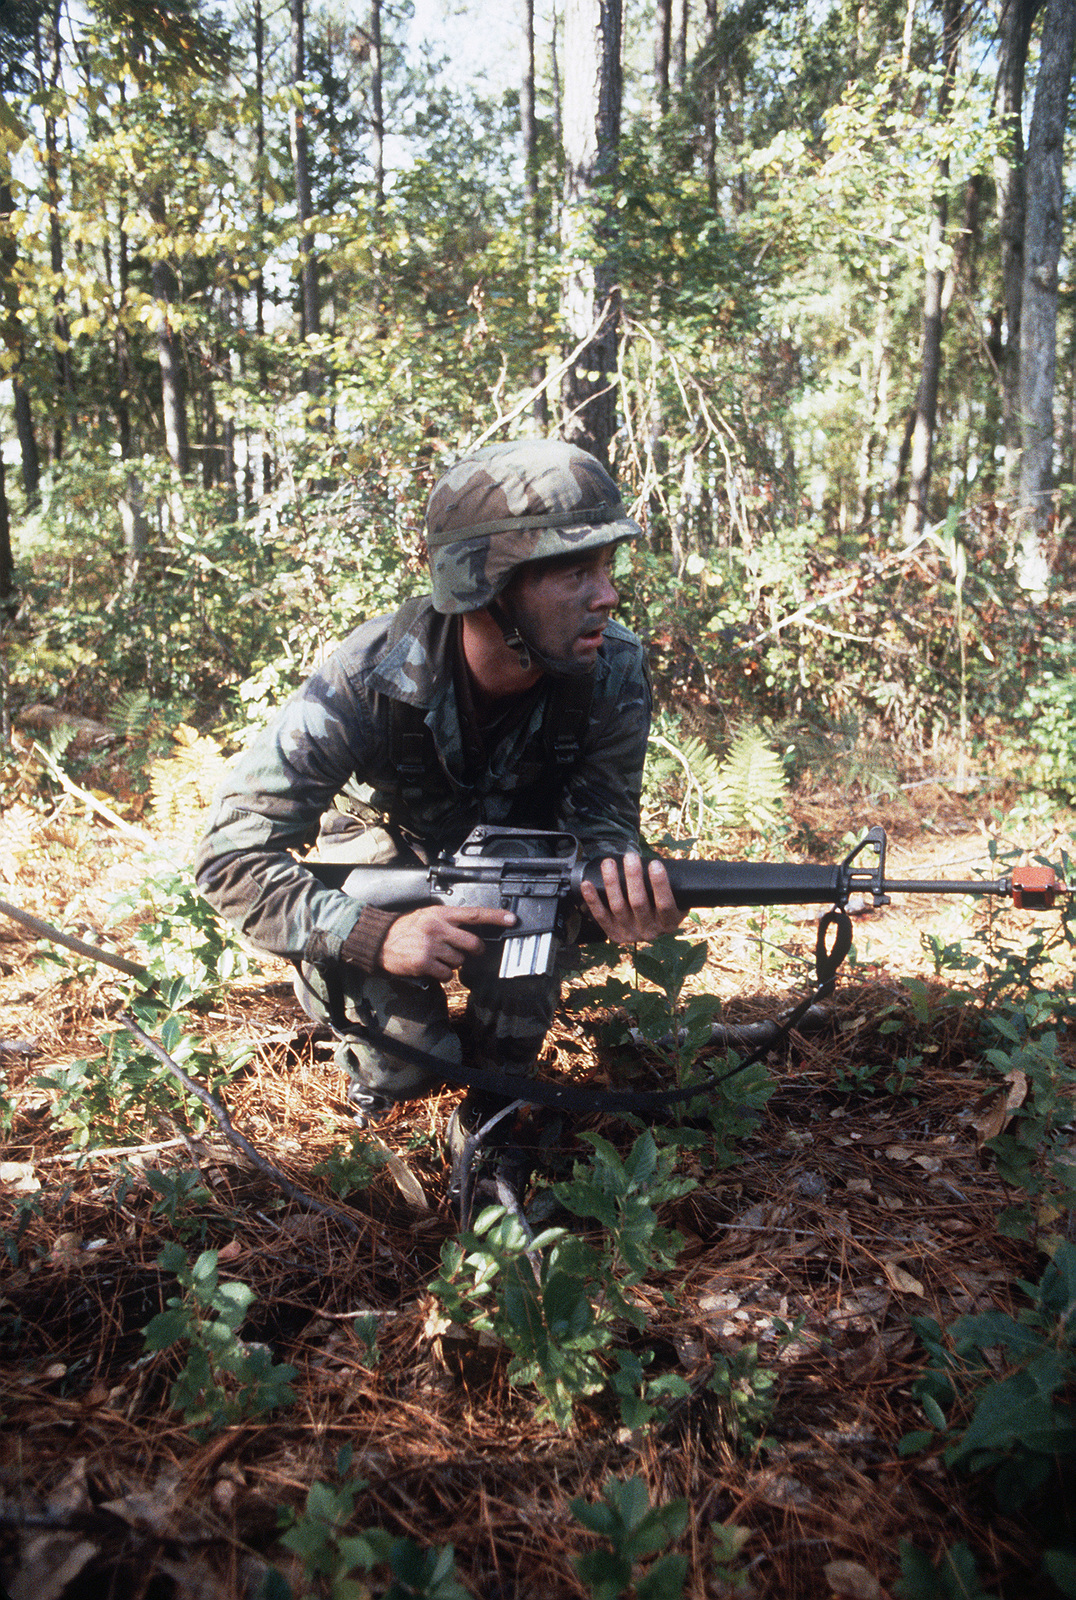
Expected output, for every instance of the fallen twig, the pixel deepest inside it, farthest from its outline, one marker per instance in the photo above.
(45, 930)
(224, 1122)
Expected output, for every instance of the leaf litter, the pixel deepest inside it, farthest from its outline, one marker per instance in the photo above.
(850, 1210)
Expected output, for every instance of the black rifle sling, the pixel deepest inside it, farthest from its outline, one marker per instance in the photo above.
(574, 1097)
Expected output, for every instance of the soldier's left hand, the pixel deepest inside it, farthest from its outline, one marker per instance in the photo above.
(635, 913)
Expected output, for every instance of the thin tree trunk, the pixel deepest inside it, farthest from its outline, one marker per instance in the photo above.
(61, 333)
(310, 320)
(679, 63)
(173, 385)
(265, 476)
(592, 99)
(1042, 252)
(131, 500)
(531, 220)
(8, 598)
(12, 338)
(926, 403)
(662, 56)
(1014, 36)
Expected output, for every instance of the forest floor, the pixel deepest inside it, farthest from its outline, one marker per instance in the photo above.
(850, 1211)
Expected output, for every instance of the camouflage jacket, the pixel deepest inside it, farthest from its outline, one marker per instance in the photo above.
(336, 733)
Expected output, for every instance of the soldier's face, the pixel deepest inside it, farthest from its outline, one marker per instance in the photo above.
(562, 608)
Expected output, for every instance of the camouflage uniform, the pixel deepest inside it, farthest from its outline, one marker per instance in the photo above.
(339, 737)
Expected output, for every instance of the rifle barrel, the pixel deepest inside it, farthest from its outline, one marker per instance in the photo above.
(946, 886)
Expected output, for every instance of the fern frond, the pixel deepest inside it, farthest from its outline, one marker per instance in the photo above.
(182, 784)
(134, 712)
(751, 788)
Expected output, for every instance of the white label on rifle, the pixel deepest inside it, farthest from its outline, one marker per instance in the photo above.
(527, 957)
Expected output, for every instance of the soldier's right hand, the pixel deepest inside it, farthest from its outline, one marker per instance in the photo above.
(434, 940)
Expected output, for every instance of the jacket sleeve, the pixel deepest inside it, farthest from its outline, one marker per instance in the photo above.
(271, 805)
(601, 800)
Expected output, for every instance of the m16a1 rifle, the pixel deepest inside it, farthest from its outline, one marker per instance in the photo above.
(539, 877)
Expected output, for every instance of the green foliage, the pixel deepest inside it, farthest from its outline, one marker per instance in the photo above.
(622, 1196)
(690, 787)
(184, 944)
(350, 1168)
(747, 1391)
(751, 788)
(866, 1076)
(99, 1098)
(191, 955)
(553, 1299)
(223, 1379)
(633, 1530)
(331, 1557)
(1033, 1151)
(1051, 716)
(1020, 1427)
(677, 1029)
(952, 1577)
(534, 1295)
(179, 1193)
(729, 1540)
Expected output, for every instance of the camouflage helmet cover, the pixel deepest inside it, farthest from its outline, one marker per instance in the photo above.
(509, 504)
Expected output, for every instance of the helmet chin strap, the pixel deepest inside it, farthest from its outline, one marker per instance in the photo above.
(527, 651)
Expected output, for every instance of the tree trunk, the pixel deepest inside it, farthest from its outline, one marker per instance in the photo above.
(679, 64)
(310, 319)
(926, 402)
(592, 96)
(8, 601)
(61, 333)
(12, 338)
(1014, 36)
(1042, 251)
(662, 56)
(531, 219)
(173, 386)
(133, 518)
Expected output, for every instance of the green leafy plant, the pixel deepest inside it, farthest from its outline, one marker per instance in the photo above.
(185, 946)
(553, 1299)
(180, 1193)
(1033, 1152)
(223, 1379)
(98, 1098)
(350, 1168)
(677, 1029)
(632, 1530)
(751, 789)
(1020, 1428)
(534, 1295)
(953, 1576)
(729, 1540)
(746, 1391)
(330, 1556)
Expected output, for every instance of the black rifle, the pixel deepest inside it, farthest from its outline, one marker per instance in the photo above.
(539, 876)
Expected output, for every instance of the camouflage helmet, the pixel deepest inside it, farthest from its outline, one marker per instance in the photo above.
(509, 504)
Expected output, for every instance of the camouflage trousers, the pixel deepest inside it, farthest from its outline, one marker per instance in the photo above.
(504, 1023)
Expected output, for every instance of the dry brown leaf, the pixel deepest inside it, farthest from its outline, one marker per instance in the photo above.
(991, 1115)
(902, 1281)
(18, 1176)
(401, 1175)
(848, 1578)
